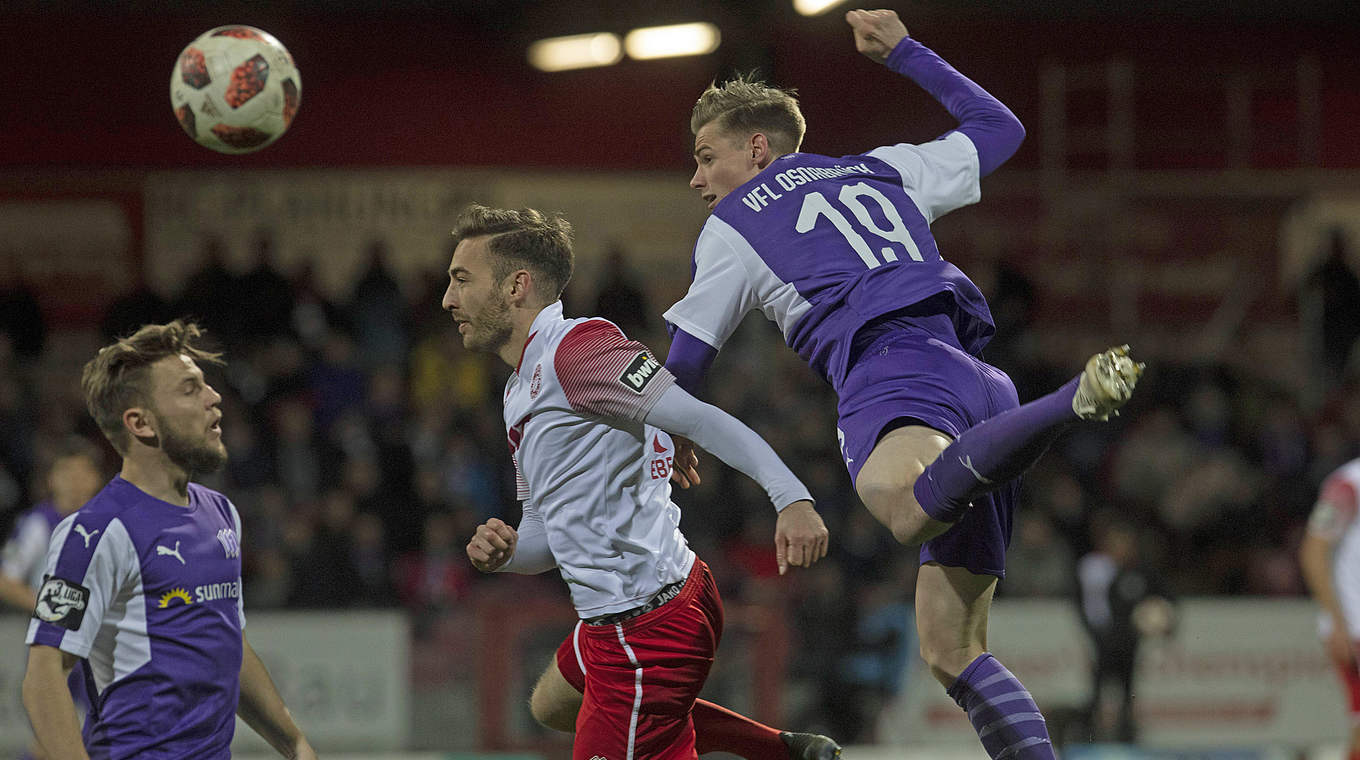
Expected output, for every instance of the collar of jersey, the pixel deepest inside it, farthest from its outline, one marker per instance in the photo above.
(551, 312)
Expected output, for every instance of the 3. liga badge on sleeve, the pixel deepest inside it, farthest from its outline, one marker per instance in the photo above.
(62, 603)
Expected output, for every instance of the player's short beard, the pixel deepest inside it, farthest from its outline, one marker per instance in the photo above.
(195, 458)
(493, 328)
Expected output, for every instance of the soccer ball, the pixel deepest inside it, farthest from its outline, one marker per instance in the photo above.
(235, 89)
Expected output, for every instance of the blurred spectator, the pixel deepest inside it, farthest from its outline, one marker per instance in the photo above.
(297, 455)
(1039, 562)
(1151, 455)
(1209, 415)
(620, 299)
(750, 551)
(370, 559)
(139, 306)
(213, 294)
(265, 308)
(469, 477)
(19, 423)
(314, 317)
(431, 579)
(250, 464)
(335, 379)
(1121, 600)
(825, 618)
(1337, 287)
(324, 573)
(885, 642)
(377, 311)
(23, 331)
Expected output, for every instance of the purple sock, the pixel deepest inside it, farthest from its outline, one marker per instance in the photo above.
(1002, 712)
(987, 455)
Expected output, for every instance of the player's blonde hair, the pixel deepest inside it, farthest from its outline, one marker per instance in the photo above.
(522, 238)
(744, 106)
(115, 380)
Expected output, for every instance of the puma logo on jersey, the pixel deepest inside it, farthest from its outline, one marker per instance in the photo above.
(161, 551)
(967, 462)
(83, 534)
(640, 372)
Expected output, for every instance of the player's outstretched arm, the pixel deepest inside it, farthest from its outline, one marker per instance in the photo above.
(801, 536)
(263, 710)
(994, 131)
(48, 701)
(689, 360)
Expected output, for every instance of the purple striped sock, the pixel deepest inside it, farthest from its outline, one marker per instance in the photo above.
(1002, 712)
(992, 453)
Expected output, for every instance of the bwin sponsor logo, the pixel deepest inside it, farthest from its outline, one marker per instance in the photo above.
(639, 372)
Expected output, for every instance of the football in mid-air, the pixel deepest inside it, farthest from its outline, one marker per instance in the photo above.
(235, 89)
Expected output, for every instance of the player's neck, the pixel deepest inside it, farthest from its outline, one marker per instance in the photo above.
(156, 476)
(513, 349)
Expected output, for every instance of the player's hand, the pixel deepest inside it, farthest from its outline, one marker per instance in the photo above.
(1339, 646)
(684, 466)
(800, 536)
(876, 32)
(492, 545)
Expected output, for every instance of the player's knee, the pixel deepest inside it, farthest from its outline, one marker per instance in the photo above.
(895, 506)
(947, 662)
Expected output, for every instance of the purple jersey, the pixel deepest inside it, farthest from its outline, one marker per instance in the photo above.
(149, 594)
(823, 245)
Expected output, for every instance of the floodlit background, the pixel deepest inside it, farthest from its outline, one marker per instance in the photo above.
(1190, 184)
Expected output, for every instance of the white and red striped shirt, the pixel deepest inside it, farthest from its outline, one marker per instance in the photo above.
(1334, 519)
(590, 471)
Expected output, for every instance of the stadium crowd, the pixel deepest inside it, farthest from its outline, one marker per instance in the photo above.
(366, 444)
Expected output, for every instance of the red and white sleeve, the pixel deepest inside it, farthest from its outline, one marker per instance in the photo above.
(1335, 509)
(606, 374)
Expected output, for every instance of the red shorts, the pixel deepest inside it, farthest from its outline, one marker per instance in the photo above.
(640, 677)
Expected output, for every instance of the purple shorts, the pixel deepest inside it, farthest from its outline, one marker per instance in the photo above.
(908, 375)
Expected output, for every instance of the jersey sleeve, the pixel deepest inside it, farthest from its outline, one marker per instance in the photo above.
(1335, 509)
(721, 293)
(940, 176)
(604, 373)
(26, 549)
(240, 538)
(532, 553)
(84, 577)
(522, 492)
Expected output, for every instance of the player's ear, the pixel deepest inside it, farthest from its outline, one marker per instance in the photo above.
(761, 154)
(519, 284)
(140, 422)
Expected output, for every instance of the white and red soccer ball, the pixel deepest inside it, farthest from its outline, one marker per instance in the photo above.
(235, 89)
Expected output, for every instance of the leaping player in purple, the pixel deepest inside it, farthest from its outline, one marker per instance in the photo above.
(838, 253)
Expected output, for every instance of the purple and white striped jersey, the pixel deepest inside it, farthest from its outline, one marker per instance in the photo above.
(149, 594)
(822, 245)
